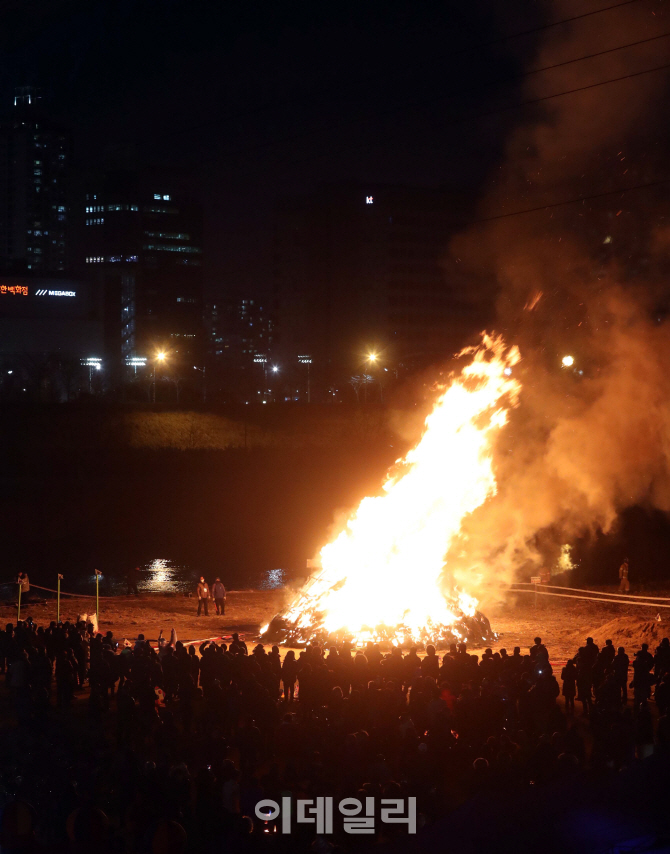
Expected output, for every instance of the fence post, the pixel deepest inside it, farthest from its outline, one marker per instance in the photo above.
(535, 580)
(97, 595)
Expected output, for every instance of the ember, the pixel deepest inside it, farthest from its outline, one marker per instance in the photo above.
(385, 578)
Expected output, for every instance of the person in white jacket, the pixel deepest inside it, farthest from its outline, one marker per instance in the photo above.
(203, 597)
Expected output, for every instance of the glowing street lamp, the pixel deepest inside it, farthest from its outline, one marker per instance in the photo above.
(306, 359)
(371, 358)
(263, 360)
(567, 361)
(92, 363)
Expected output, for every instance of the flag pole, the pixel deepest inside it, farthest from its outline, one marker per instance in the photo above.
(97, 594)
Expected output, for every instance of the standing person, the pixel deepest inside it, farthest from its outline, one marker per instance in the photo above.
(620, 667)
(24, 583)
(569, 677)
(624, 584)
(584, 678)
(219, 594)
(289, 674)
(203, 596)
(131, 579)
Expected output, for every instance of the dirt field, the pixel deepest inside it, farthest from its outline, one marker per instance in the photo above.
(562, 624)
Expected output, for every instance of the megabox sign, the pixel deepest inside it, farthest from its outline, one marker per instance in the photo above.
(45, 292)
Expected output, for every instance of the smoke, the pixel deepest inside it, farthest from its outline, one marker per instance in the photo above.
(585, 279)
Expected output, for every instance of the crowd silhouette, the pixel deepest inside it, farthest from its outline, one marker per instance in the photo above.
(169, 748)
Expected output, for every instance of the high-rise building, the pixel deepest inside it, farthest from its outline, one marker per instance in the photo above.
(143, 247)
(240, 328)
(34, 155)
(360, 267)
(240, 347)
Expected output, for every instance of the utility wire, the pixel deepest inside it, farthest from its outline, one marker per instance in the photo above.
(315, 93)
(591, 196)
(593, 55)
(498, 110)
(428, 102)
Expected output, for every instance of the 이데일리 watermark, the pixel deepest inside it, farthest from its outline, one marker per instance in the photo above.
(357, 817)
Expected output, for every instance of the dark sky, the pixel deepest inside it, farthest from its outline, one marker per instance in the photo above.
(253, 101)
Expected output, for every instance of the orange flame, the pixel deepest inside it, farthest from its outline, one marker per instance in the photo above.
(384, 568)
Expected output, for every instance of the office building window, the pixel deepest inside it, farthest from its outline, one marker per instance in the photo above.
(164, 247)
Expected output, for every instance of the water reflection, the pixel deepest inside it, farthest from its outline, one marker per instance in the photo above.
(162, 576)
(273, 579)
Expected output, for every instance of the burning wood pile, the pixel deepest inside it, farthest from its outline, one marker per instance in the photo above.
(384, 577)
(304, 623)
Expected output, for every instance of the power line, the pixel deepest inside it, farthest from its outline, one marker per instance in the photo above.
(526, 103)
(455, 122)
(579, 89)
(593, 55)
(491, 43)
(588, 198)
(557, 23)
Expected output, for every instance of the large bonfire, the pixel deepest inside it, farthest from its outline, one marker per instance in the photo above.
(382, 578)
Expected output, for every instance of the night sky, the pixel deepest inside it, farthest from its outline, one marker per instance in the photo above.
(249, 102)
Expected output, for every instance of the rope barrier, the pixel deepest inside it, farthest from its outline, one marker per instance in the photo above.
(597, 592)
(77, 595)
(202, 640)
(592, 598)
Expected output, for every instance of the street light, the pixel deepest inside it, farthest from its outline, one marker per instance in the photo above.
(92, 363)
(307, 360)
(160, 357)
(263, 360)
(567, 361)
(371, 358)
(204, 387)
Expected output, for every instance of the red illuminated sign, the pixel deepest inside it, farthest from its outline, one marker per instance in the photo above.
(15, 290)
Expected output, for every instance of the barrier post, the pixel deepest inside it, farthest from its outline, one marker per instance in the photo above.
(535, 580)
(60, 578)
(18, 613)
(97, 594)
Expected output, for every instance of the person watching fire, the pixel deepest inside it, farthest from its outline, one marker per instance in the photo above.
(219, 594)
(624, 584)
(203, 596)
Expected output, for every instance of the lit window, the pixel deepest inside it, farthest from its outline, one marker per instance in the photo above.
(157, 196)
(163, 247)
(166, 198)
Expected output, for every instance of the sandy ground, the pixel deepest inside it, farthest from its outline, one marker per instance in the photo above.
(563, 624)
